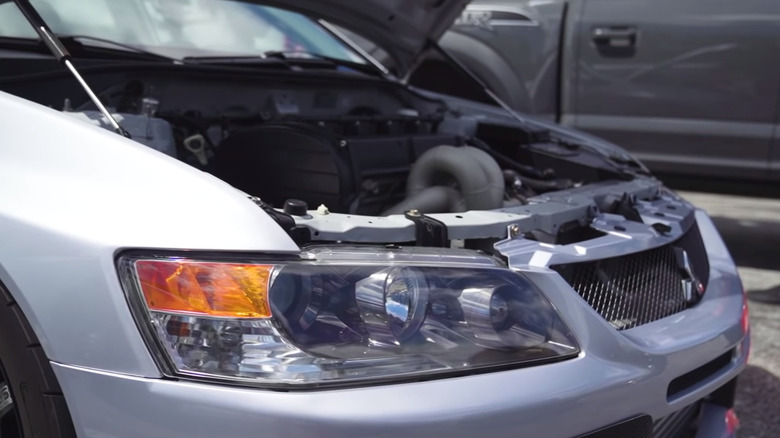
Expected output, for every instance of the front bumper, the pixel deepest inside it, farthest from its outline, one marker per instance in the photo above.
(559, 400)
(618, 375)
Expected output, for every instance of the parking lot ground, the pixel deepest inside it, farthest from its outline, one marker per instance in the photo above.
(751, 230)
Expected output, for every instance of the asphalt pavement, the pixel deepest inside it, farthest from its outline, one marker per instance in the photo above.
(751, 229)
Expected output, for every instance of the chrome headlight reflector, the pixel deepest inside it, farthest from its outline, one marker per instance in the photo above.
(341, 316)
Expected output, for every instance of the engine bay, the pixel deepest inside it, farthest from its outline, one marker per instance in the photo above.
(363, 149)
(350, 146)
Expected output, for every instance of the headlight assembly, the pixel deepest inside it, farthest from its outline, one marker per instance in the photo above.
(341, 316)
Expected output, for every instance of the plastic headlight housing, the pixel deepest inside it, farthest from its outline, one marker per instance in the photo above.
(341, 316)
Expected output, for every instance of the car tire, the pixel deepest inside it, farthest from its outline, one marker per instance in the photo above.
(38, 407)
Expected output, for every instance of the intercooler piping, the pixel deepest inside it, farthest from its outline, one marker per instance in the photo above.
(436, 199)
(479, 180)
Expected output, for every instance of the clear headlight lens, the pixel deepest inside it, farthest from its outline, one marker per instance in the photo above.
(342, 316)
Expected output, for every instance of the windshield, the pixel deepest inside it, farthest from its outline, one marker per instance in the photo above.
(182, 28)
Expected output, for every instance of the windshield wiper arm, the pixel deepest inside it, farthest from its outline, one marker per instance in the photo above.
(61, 53)
(79, 39)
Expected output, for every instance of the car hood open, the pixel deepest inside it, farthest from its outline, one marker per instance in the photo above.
(401, 27)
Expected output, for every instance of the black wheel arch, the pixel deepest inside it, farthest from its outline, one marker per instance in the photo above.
(38, 400)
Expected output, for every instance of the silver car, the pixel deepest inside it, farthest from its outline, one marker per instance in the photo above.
(222, 219)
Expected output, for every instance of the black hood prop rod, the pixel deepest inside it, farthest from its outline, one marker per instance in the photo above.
(59, 51)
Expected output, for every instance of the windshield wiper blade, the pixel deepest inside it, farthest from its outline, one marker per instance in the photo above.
(304, 56)
(103, 43)
(227, 59)
(286, 58)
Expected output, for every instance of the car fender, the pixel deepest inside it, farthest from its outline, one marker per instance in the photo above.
(72, 196)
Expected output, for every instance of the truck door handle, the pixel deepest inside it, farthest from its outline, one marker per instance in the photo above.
(615, 40)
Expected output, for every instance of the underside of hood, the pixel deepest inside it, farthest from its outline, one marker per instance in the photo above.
(401, 27)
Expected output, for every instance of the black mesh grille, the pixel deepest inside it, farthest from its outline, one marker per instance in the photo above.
(639, 288)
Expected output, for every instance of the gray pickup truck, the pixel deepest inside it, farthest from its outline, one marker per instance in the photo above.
(690, 86)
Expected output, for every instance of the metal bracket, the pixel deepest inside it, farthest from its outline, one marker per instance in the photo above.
(625, 207)
(428, 231)
(300, 235)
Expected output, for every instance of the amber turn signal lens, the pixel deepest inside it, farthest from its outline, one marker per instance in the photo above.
(210, 289)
